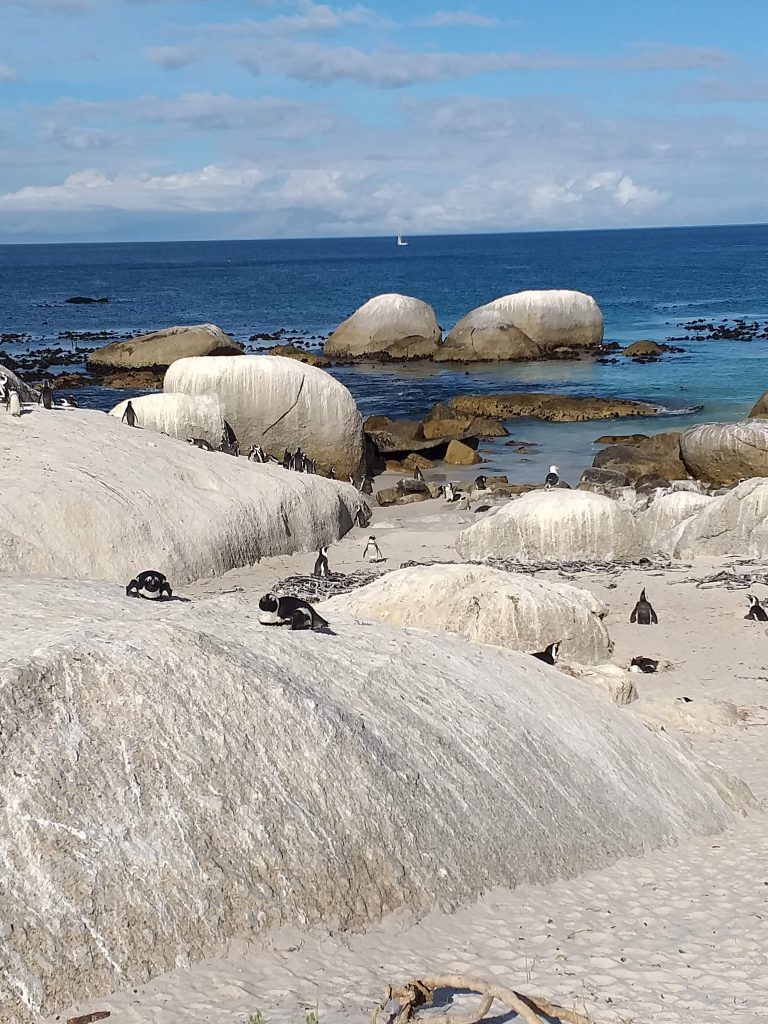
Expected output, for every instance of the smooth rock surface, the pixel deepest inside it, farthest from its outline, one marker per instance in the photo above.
(459, 454)
(735, 523)
(661, 523)
(179, 416)
(551, 407)
(387, 326)
(525, 325)
(279, 403)
(161, 348)
(610, 680)
(177, 775)
(26, 393)
(85, 496)
(484, 605)
(557, 524)
(724, 453)
(658, 455)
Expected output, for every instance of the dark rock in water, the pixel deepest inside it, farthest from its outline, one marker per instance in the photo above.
(621, 439)
(555, 408)
(659, 455)
(85, 300)
(740, 329)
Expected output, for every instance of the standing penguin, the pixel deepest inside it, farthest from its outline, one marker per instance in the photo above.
(417, 474)
(643, 613)
(372, 551)
(756, 611)
(552, 479)
(14, 403)
(321, 568)
(332, 473)
(3, 389)
(46, 397)
(129, 415)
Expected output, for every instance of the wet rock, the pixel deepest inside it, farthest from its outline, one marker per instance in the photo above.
(658, 455)
(621, 439)
(156, 351)
(292, 352)
(85, 300)
(551, 407)
(390, 327)
(460, 454)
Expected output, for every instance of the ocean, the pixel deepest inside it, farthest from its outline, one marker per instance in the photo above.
(646, 281)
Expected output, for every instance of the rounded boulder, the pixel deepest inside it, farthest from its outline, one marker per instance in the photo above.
(725, 453)
(156, 351)
(387, 326)
(179, 416)
(279, 403)
(484, 605)
(554, 525)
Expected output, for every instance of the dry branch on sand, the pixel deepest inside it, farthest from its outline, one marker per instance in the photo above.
(419, 993)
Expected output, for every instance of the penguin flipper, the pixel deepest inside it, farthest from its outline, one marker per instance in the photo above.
(654, 618)
(633, 616)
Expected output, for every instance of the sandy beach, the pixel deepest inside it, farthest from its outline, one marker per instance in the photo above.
(679, 936)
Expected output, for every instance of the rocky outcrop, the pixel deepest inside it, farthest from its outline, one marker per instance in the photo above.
(621, 439)
(759, 410)
(293, 352)
(552, 407)
(659, 456)
(156, 351)
(735, 523)
(525, 325)
(460, 454)
(387, 327)
(279, 403)
(662, 522)
(101, 500)
(179, 416)
(724, 453)
(603, 481)
(558, 524)
(396, 439)
(606, 679)
(443, 420)
(486, 606)
(644, 349)
(26, 393)
(153, 811)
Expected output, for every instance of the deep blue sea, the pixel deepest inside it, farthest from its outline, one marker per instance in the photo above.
(646, 282)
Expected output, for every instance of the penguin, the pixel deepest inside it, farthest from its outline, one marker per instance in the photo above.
(464, 504)
(551, 479)
(321, 568)
(310, 466)
(363, 515)
(68, 402)
(367, 485)
(756, 611)
(229, 443)
(287, 459)
(3, 389)
(279, 611)
(643, 613)
(256, 454)
(14, 403)
(481, 483)
(46, 397)
(550, 653)
(417, 474)
(332, 473)
(641, 664)
(151, 585)
(450, 494)
(200, 442)
(297, 461)
(372, 551)
(129, 415)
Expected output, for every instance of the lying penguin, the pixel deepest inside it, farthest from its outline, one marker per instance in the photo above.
(151, 585)
(756, 611)
(550, 653)
(287, 610)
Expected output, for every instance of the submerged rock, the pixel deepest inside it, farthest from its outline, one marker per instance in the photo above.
(557, 524)
(279, 403)
(552, 407)
(153, 811)
(101, 500)
(161, 348)
(292, 352)
(387, 327)
(484, 605)
(724, 453)
(525, 325)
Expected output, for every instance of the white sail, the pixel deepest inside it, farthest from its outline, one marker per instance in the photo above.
(400, 239)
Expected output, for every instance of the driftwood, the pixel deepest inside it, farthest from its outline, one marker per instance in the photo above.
(90, 1018)
(564, 567)
(318, 588)
(420, 992)
(731, 579)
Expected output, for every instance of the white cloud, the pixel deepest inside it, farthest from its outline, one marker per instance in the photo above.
(172, 57)
(448, 19)
(662, 57)
(7, 73)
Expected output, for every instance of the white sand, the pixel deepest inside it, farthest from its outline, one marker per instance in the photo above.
(675, 937)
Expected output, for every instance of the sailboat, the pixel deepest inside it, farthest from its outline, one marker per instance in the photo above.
(400, 239)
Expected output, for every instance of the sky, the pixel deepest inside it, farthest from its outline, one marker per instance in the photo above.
(206, 119)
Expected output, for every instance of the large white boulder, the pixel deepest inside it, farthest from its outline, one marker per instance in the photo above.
(662, 522)
(279, 403)
(485, 605)
(25, 392)
(85, 496)
(179, 416)
(725, 453)
(387, 327)
(177, 775)
(558, 524)
(159, 349)
(525, 325)
(735, 523)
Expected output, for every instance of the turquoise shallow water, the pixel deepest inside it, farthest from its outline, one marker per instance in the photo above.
(646, 282)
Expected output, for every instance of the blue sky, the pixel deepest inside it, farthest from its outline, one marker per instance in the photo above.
(151, 119)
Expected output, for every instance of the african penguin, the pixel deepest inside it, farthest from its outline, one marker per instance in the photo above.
(129, 415)
(551, 479)
(256, 454)
(450, 494)
(321, 568)
(279, 611)
(3, 389)
(363, 515)
(641, 664)
(549, 654)
(417, 474)
(372, 551)
(149, 584)
(481, 483)
(229, 443)
(332, 473)
(14, 403)
(756, 611)
(46, 397)
(643, 613)
(367, 485)
(200, 442)
(287, 459)
(68, 402)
